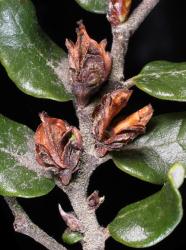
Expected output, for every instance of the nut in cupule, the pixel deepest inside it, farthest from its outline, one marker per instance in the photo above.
(89, 64)
(111, 136)
(58, 145)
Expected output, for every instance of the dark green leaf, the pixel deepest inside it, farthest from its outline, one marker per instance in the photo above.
(31, 59)
(145, 223)
(20, 175)
(150, 156)
(71, 238)
(96, 6)
(164, 80)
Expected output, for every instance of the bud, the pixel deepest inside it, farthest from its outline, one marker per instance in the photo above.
(118, 11)
(94, 200)
(58, 145)
(111, 135)
(89, 64)
(71, 220)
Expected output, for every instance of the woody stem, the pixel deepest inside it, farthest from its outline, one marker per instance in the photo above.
(23, 224)
(94, 234)
(94, 237)
(121, 36)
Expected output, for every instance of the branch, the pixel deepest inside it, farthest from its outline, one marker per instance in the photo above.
(23, 224)
(139, 14)
(121, 36)
(94, 235)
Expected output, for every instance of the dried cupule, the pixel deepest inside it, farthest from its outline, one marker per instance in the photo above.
(58, 146)
(89, 65)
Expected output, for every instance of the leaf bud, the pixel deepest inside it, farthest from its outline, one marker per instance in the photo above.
(71, 220)
(94, 200)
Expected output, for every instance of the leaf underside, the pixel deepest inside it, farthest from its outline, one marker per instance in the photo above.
(17, 162)
(163, 80)
(150, 156)
(33, 62)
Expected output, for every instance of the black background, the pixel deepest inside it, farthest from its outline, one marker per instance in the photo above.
(161, 37)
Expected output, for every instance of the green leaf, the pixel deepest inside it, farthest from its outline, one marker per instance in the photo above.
(20, 175)
(96, 6)
(145, 223)
(163, 80)
(30, 58)
(150, 156)
(71, 238)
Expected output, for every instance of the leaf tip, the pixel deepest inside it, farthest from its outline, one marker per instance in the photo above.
(176, 174)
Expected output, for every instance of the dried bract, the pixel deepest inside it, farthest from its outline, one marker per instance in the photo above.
(118, 11)
(113, 136)
(58, 145)
(111, 105)
(89, 65)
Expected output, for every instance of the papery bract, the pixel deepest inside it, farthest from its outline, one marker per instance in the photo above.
(113, 136)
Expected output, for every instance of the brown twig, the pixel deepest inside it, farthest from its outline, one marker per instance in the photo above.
(23, 224)
(94, 234)
(121, 36)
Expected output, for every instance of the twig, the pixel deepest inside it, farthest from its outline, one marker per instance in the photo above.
(23, 224)
(121, 36)
(139, 14)
(94, 234)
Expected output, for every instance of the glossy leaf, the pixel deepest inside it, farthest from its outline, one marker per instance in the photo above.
(96, 6)
(71, 238)
(18, 176)
(163, 80)
(145, 223)
(31, 59)
(150, 156)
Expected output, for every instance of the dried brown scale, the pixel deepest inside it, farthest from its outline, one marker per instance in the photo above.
(118, 11)
(58, 145)
(134, 122)
(89, 64)
(111, 105)
(120, 133)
